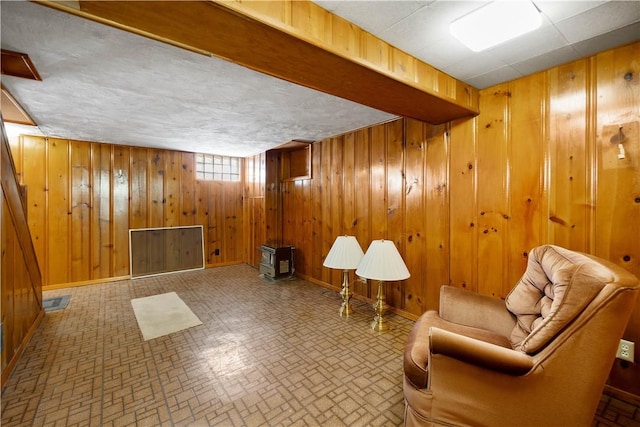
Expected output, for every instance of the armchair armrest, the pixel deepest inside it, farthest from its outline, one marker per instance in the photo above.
(479, 353)
(475, 310)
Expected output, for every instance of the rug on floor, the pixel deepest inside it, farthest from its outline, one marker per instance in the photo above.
(55, 303)
(163, 314)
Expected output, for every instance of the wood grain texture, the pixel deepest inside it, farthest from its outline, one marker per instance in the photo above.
(97, 192)
(617, 183)
(21, 281)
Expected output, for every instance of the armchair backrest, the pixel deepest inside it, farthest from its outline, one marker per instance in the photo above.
(556, 286)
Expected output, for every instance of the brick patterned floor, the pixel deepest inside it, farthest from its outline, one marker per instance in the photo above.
(267, 354)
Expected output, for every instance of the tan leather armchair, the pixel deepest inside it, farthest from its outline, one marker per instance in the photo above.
(541, 357)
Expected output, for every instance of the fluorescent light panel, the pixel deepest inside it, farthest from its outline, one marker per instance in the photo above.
(496, 23)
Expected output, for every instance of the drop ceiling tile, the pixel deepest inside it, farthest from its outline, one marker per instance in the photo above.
(478, 64)
(536, 43)
(599, 20)
(559, 10)
(619, 37)
(427, 25)
(547, 60)
(493, 77)
(373, 16)
(443, 53)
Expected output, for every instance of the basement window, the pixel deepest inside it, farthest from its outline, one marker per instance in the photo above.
(217, 168)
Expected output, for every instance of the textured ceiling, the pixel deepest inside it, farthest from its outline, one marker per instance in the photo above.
(103, 84)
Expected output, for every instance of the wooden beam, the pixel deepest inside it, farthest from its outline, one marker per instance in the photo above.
(281, 38)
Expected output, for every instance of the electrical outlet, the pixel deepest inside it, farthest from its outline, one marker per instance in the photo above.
(626, 350)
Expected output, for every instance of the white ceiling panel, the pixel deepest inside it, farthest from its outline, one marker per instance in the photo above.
(618, 37)
(545, 40)
(373, 18)
(502, 74)
(600, 20)
(546, 60)
(556, 10)
(485, 63)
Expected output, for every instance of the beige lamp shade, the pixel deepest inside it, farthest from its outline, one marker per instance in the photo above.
(383, 262)
(345, 254)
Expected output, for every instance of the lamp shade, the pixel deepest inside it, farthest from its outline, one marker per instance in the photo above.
(383, 262)
(345, 254)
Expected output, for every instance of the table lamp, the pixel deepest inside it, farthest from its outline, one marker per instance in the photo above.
(382, 262)
(345, 254)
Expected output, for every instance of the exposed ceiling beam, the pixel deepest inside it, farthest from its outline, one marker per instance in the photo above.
(296, 41)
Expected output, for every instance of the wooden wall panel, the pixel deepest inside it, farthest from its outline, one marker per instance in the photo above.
(362, 170)
(304, 253)
(436, 212)
(204, 194)
(273, 201)
(570, 178)
(120, 201)
(255, 232)
(138, 181)
(526, 172)
(172, 185)
(232, 214)
(97, 192)
(317, 197)
(617, 211)
(187, 189)
(102, 201)
(36, 194)
(395, 189)
(80, 232)
(155, 212)
(327, 236)
(493, 190)
(378, 184)
(463, 210)
(349, 221)
(58, 211)
(415, 231)
(335, 185)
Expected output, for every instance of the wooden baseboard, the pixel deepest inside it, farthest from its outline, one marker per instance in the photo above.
(84, 283)
(117, 278)
(23, 345)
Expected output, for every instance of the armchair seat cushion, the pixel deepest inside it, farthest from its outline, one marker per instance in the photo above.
(417, 350)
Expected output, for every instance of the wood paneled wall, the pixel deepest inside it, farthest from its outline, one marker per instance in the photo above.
(465, 202)
(384, 182)
(21, 282)
(255, 223)
(85, 196)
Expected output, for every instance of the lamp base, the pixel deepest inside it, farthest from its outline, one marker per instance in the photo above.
(345, 308)
(379, 323)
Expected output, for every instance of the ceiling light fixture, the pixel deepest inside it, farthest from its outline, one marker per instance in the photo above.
(496, 23)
